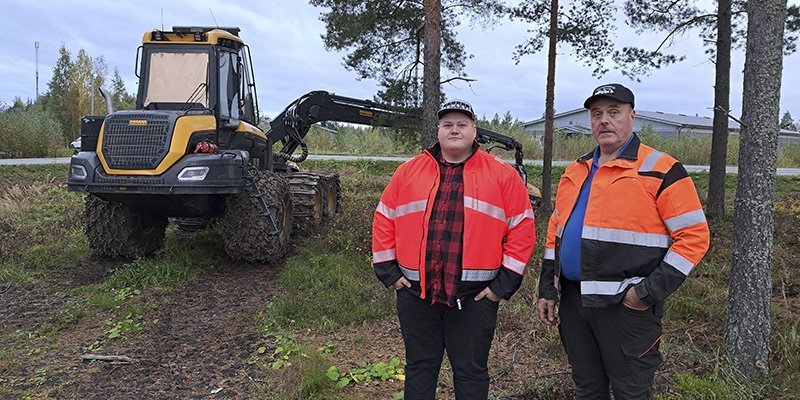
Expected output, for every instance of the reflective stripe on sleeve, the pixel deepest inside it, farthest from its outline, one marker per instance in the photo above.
(410, 208)
(410, 274)
(678, 262)
(473, 275)
(513, 264)
(625, 237)
(608, 288)
(650, 161)
(383, 256)
(385, 210)
(559, 230)
(517, 219)
(549, 254)
(682, 221)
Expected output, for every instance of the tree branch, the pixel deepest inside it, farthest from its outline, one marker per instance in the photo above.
(124, 359)
(666, 10)
(680, 26)
(458, 78)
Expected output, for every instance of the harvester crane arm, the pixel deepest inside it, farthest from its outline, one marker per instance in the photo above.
(504, 142)
(292, 125)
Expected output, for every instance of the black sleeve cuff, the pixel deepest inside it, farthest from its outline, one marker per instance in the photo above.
(547, 281)
(506, 283)
(387, 272)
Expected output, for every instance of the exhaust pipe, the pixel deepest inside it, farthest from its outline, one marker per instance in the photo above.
(109, 101)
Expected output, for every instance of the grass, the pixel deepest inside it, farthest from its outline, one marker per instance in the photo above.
(316, 279)
(328, 285)
(696, 311)
(329, 278)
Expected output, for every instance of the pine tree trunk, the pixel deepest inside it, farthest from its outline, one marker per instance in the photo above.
(549, 111)
(747, 333)
(715, 206)
(431, 87)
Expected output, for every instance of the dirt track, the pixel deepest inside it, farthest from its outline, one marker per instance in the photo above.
(199, 348)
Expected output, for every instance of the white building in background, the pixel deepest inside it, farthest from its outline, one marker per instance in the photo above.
(665, 124)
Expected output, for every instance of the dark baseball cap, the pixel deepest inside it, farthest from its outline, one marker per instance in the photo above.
(612, 91)
(457, 105)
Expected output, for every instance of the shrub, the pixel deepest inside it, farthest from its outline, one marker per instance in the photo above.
(789, 157)
(30, 133)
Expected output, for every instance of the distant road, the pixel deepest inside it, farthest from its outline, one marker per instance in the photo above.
(690, 168)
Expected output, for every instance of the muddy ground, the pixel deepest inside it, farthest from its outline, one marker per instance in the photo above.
(201, 344)
(204, 345)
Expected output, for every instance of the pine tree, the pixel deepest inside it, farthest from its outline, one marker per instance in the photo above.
(56, 98)
(122, 99)
(787, 122)
(723, 28)
(389, 40)
(585, 26)
(747, 333)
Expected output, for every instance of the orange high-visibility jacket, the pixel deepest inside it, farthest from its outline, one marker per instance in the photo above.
(499, 231)
(644, 226)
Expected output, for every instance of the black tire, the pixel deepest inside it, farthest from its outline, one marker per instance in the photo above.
(307, 199)
(116, 230)
(331, 195)
(246, 231)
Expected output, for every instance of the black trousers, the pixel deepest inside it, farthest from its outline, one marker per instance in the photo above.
(613, 346)
(466, 334)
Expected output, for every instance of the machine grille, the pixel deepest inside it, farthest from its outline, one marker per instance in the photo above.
(135, 141)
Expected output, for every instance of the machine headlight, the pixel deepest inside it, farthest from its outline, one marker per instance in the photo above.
(77, 171)
(193, 174)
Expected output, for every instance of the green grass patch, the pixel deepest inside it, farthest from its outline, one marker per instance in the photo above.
(12, 271)
(315, 383)
(33, 173)
(306, 379)
(8, 362)
(690, 386)
(325, 290)
(70, 249)
(183, 257)
(114, 298)
(151, 272)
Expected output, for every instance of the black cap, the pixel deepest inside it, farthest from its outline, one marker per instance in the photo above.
(612, 91)
(457, 105)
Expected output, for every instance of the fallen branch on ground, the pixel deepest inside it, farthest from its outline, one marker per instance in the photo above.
(98, 357)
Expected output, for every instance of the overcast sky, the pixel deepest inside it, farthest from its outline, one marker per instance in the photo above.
(290, 59)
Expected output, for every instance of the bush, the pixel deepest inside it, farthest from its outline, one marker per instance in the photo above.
(789, 157)
(30, 133)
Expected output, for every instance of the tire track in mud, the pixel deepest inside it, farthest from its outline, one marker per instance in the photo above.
(200, 347)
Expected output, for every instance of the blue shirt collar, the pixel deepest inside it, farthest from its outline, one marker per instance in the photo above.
(621, 150)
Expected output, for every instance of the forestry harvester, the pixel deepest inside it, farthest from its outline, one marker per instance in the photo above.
(192, 152)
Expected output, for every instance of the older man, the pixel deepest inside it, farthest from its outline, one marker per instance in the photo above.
(627, 229)
(452, 235)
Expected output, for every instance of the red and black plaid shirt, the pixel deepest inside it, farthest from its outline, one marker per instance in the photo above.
(446, 234)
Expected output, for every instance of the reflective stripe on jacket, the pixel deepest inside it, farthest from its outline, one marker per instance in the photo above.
(498, 225)
(644, 226)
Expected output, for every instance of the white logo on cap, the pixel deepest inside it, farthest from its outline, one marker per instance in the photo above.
(604, 90)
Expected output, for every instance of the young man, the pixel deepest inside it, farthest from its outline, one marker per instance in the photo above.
(627, 229)
(452, 235)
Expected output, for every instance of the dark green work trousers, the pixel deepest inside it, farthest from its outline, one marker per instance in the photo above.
(612, 347)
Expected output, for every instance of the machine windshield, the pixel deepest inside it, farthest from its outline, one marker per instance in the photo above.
(177, 77)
